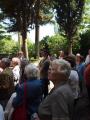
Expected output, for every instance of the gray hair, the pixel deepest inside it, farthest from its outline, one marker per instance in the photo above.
(32, 71)
(63, 66)
(6, 62)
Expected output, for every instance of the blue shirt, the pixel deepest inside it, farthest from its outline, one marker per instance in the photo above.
(33, 95)
(80, 69)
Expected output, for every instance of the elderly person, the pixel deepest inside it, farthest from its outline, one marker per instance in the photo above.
(33, 91)
(58, 105)
(6, 82)
(24, 62)
(15, 63)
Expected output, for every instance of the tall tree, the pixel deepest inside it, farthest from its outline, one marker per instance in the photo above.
(68, 16)
(43, 15)
(85, 24)
(19, 13)
(37, 9)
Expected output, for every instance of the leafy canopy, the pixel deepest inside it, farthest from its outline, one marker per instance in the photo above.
(69, 14)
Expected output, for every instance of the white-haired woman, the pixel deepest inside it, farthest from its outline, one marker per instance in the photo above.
(58, 105)
(33, 91)
(15, 63)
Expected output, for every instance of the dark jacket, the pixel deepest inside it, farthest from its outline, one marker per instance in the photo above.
(33, 96)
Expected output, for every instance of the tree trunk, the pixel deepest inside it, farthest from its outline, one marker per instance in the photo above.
(24, 45)
(19, 41)
(70, 46)
(37, 41)
(24, 30)
(70, 49)
(37, 30)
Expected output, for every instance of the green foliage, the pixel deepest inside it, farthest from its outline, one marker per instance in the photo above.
(22, 13)
(69, 16)
(85, 42)
(85, 24)
(3, 32)
(76, 44)
(31, 49)
(58, 42)
(18, 12)
(8, 46)
(45, 13)
(55, 43)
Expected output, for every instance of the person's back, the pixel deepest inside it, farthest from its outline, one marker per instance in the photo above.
(58, 104)
(44, 66)
(33, 87)
(8, 72)
(74, 83)
(73, 78)
(6, 82)
(23, 63)
(66, 92)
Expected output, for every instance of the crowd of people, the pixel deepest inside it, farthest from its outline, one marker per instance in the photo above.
(23, 83)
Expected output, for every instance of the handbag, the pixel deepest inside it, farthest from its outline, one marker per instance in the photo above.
(20, 113)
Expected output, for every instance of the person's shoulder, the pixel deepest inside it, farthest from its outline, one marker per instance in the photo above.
(34, 83)
(63, 91)
(74, 73)
(7, 74)
(7, 71)
(39, 82)
(62, 88)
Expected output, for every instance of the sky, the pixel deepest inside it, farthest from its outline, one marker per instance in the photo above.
(44, 31)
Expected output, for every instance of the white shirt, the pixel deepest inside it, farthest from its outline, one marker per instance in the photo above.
(74, 83)
(16, 73)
